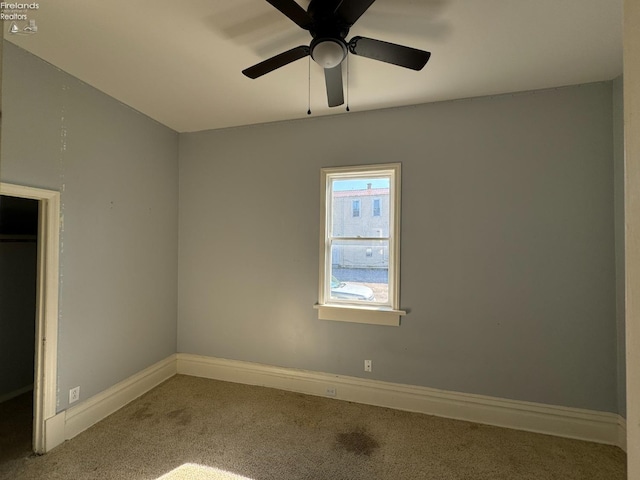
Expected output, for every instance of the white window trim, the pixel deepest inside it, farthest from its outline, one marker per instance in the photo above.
(352, 312)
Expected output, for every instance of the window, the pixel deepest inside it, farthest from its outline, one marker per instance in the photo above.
(355, 208)
(360, 250)
(376, 207)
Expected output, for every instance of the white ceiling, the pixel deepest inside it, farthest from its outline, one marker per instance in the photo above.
(180, 62)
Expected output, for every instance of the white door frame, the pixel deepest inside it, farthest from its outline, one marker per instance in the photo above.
(632, 230)
(46, 351)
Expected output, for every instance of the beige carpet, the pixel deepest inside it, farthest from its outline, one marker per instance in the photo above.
(190, 471)
(198, 429)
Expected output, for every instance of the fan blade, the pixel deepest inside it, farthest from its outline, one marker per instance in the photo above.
(389, 52)
(333, 79)
(278, 61)
(351, 10)
(294, 11)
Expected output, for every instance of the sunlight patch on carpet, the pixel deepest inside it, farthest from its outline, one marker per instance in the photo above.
(192, 471)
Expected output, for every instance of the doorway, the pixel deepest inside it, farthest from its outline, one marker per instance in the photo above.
(45, 243)
(18, 279)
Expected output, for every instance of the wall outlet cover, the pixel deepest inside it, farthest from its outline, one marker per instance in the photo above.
(367, 365)
(74, 394)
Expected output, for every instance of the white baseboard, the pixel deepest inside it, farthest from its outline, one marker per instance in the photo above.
(16, 393)
(54, 431)
(593, 426)
(77, 419)
(622, 433)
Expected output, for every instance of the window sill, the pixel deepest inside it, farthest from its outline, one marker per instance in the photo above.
(370, 315)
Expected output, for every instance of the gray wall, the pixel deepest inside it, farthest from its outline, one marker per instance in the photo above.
(508, 247)
(117, 173)
(508, 264)
(618, 167)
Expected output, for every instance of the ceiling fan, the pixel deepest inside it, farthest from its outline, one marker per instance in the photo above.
(328, 22)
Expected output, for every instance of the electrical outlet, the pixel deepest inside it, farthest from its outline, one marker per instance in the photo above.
(331, 392)
(74, 394)
(367, 365)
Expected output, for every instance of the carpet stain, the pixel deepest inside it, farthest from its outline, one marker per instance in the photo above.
(181, 416)
(142, 413)
(358, 442)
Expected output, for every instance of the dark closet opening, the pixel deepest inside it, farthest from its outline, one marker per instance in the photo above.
(18, 279)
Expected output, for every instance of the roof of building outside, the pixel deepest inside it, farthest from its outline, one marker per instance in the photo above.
(370, 192)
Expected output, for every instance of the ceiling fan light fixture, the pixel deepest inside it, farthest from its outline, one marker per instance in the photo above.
(328, 23)
(328, 53)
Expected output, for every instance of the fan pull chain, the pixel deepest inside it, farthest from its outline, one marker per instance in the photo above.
(309, 90)
(347, 83)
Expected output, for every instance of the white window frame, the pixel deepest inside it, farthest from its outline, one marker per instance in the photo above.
(360, 312)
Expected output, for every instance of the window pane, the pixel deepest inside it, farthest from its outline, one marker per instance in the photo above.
(360, 270)
(360, 244)
(360, 207)
(355, 208)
